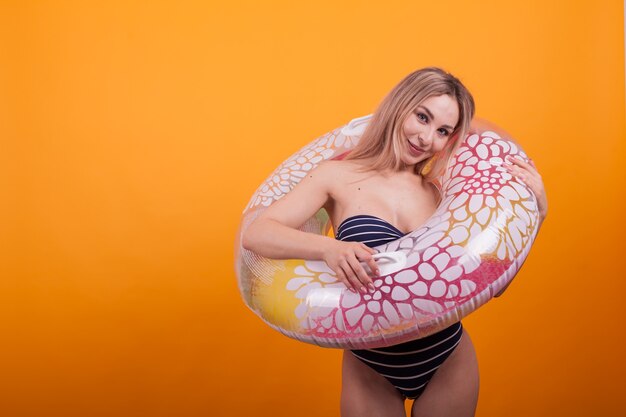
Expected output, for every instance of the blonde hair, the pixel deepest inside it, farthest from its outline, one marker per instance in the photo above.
(382, 137)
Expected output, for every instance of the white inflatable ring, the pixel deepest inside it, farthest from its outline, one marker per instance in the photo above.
(465, 254)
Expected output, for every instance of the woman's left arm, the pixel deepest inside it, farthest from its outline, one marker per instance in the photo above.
(528, 174)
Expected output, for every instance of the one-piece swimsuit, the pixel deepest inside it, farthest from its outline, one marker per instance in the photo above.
(407, 366)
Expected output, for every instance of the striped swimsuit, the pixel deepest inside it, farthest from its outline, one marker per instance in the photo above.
(408, 366)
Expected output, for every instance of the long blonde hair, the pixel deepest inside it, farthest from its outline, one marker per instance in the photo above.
(382, 137)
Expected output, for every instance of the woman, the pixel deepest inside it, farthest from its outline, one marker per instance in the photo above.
(382, 190)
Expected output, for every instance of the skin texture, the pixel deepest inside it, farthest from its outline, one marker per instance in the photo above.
(405, 200)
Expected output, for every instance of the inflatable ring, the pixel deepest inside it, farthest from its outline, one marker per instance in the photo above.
(467, 252)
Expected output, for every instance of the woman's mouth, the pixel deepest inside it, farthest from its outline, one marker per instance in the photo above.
(415, 151)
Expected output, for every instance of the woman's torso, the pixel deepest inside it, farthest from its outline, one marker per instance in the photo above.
(361, 207)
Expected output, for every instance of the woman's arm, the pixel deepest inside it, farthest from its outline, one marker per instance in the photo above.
(529, 175)
(527, 172)
(275, 234)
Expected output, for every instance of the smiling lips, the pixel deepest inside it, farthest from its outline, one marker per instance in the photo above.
(415, 151)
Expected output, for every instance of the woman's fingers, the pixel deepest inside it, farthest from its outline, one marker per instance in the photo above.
(523, 170)
(360, 275)
(343, 278)
(367, 248)
(345, 259)
(353, 277)
(353, 274)
(520, 169)
(522, 165)
(369, 260)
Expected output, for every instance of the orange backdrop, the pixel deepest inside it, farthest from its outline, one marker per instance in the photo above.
(133, 133)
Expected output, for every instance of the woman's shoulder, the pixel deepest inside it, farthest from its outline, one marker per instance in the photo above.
(340, 167)
(335, 174)
(345, 166)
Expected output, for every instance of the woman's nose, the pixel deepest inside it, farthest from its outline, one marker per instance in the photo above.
(426, 137)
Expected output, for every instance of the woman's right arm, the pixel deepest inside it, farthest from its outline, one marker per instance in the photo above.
(274, 234)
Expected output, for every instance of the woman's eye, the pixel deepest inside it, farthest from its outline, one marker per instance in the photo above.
(422, 117)
(444, 132)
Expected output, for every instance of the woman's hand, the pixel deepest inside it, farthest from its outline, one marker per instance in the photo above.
(344, 258)
(528, 174)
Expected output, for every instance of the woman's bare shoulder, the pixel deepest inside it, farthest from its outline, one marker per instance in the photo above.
(339, 167)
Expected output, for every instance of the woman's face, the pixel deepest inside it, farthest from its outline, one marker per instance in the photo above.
(428, 128)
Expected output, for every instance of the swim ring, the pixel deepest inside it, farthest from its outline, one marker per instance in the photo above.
(467, 252)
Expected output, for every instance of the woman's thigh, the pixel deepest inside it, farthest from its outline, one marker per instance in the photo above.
(366, 393)
(453, 390)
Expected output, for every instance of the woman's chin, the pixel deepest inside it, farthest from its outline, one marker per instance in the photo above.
(412, 161)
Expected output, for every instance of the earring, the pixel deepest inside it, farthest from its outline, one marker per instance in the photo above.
(428, 165)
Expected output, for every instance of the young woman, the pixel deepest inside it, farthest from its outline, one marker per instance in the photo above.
(378, 193)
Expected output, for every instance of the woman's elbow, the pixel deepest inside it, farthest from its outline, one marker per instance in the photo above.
(250, 237)
(247, 240)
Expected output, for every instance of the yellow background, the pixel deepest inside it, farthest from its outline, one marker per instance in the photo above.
(133, 133)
